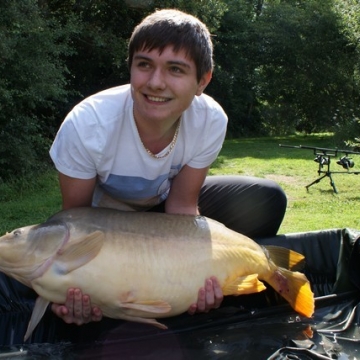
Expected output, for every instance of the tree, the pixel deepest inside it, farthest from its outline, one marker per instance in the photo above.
(285, 65)
(305, 64)
(233, 82)
(348, 117)
(32, 84)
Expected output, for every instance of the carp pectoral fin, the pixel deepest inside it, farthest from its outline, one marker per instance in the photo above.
(80, 253)
(285, 258)
(244, 285)
(38, 312)
(156, 306)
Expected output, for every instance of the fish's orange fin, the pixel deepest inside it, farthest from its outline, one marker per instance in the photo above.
(285, 258)
(38, 312)
(243, 285)
(295, 288)
(151, 306)
(78, 254)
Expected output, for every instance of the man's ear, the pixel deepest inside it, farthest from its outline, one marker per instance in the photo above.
(204, 82)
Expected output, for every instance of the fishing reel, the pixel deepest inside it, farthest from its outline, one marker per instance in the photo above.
(346, 162)
(322, 160)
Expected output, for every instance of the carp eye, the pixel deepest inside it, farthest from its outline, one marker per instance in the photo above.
(17, 232)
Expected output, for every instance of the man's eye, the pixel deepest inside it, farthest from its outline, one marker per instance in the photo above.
(176, 69)
(143, 64)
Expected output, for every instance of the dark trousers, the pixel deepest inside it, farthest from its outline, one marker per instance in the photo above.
(252, 206)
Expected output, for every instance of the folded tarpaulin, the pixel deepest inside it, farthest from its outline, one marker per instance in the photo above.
(256, 326)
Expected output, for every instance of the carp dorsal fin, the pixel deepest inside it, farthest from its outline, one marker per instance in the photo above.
(38, 312)
(285, 258)
(75, 255)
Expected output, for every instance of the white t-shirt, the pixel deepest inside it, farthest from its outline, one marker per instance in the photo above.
(99, 138)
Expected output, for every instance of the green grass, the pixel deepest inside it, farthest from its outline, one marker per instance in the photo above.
(318, 208)
(25, 203)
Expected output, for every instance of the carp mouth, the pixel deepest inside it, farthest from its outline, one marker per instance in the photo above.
(30, 251)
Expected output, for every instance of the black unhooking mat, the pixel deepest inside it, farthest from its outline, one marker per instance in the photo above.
(257, 326)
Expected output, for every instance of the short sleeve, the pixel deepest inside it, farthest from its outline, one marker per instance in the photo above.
(69, 154)
(211, 139)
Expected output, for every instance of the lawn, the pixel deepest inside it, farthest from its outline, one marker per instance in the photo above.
(313, 209)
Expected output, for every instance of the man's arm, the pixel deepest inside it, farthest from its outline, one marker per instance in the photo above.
(76, 192)
(184, 191)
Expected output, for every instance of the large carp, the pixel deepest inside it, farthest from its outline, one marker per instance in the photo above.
(143, 266)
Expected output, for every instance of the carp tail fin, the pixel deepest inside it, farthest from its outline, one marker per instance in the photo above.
(295, 288)
(38, 312)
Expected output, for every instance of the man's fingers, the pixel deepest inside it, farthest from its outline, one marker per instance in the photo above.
(86, 309)
(201, 304)
(218, 294)
(77, 308)
(209, 296)
(96, 314)
(77, 305)
(59, 310)
(192, 309)
(69, 302)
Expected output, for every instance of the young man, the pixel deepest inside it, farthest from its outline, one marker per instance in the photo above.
(148, 145)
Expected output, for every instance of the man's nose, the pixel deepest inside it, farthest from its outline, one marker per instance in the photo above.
(157, 79)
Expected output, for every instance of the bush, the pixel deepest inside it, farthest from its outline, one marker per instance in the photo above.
(32, 85)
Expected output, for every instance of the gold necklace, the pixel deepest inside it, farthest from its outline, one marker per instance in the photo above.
(171, 145)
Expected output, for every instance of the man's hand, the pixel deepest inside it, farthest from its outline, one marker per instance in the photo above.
(209, 297)
(77, 309)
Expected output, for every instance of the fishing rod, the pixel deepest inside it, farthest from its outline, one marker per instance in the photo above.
(323, 158)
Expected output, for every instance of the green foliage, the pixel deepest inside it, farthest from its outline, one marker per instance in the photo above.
(233, 80)
(100, 40)
(32, 85)
(285, 65)
(209, 11)
(349, 127)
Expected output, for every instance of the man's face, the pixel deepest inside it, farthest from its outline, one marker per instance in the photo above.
(164, 85)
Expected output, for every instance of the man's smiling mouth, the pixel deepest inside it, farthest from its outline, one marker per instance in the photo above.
(157, 98)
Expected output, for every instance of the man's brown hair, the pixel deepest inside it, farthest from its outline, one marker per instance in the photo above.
(174, 28)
